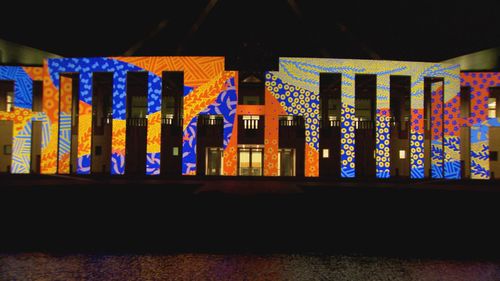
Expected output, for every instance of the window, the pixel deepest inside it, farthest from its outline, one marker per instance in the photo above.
(214, 119)
(492, 107)
(7, 149)
(286, 120)
(326, 153)
(98, 150)
(175, 151)
(139, 107)
(250, 161)
(215, 160)
(251, 88)
(251, 122)
(402, 154)
(251, 100)
(493, 155)
(6, 95)
(286, 162)
(10, 101)
(37, 96)
(465, 102)
(168, 107)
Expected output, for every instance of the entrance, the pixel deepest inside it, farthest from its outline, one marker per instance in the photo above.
(286, 162)
(214, 161)
(250, 161)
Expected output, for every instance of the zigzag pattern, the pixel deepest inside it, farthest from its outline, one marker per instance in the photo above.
(225, 105)
(204, 95)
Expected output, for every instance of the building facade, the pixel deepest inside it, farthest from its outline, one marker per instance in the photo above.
(335, 118)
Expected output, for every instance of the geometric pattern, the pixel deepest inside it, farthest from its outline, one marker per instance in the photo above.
(225, 105)
(293, 90)
(478, 121)
(21, 115)
(205, 77)
(303, 73)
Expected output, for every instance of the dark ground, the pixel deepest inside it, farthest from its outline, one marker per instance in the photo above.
(60, 214)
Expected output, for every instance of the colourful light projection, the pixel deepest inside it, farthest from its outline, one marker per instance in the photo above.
(204, 78)
(209, 89)
(296, 87)
(21, 115)
(480, 84)
(65, 107)
(437, 153)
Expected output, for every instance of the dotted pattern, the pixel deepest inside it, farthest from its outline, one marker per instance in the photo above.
(383, 139)
(299, 102)
(304, 73)
(479, 83)
(347, 143)
(437, 152)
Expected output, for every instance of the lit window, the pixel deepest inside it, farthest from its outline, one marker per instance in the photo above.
(175, 151)
(214, 119)
(402, 154)
(286, 120)
(10, 101)
(251, 122)
(492, 107)
(326, 153)
(332, 119)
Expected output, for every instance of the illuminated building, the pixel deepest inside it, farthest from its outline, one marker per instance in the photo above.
(188, 115)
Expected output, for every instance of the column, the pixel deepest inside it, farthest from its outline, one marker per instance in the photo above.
(119, 123)
(383, 134)
(417, 128)
(153, 148)
(347, 130)
(84, 124)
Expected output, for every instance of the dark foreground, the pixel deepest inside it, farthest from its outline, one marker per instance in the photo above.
(188, 267)
(125, 216)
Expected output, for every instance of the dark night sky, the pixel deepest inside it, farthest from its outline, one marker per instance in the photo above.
(253, 34)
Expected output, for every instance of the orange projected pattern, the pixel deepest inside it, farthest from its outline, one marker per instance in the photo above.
(197, 70)
(50, 124)
(273, 110)
(84, 130)
(66, 95)
(205, 74)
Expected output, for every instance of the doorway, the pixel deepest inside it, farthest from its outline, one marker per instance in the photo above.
(250, 161)
(214, 161)
(286, 164)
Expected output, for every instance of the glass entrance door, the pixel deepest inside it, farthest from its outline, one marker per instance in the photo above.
(250, 161)
(214, 161)
(286, 162)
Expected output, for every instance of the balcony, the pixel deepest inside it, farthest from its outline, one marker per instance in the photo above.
(137, 122)
(364, 125)
(210, 133)
(291, 130)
